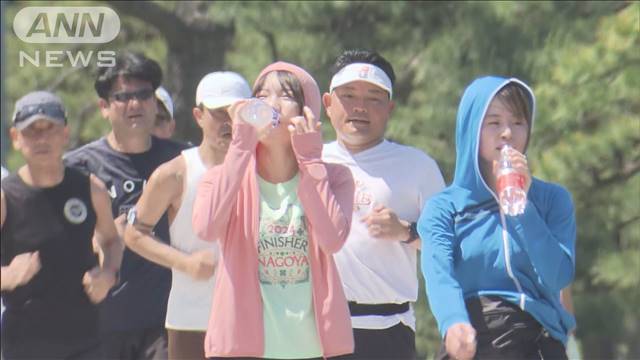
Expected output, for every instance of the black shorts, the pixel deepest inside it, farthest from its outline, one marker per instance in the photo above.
(396, 342)
(504, 331)
(147, 344)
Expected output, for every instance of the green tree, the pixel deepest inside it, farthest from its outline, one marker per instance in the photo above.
(589, 140)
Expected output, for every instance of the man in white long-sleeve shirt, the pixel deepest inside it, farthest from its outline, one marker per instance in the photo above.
(377, 265)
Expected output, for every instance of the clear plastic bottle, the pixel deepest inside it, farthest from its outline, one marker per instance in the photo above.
(510, 186)
(259, 114)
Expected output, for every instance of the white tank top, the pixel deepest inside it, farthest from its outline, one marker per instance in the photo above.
(189, 299)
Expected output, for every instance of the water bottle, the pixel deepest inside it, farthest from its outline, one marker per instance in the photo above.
(510, 186)
(259, 114)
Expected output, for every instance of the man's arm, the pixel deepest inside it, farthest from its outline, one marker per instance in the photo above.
(101, 278)
(383, 223)
(164, 191)
(106, 236)
(22, 267)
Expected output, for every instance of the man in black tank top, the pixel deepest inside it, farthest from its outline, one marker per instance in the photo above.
(132, 316)
(51, 279)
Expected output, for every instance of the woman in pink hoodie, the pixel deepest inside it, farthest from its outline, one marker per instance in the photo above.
(279, 213)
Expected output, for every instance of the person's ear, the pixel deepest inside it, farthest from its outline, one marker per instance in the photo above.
(197, 114)
(104, 107)
(66, 134)
(15, 141)
(326, 102)
(392, 106)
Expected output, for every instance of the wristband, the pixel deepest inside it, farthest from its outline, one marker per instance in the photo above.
(132, 219)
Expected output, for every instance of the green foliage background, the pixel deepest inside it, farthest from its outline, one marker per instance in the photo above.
(581, 58)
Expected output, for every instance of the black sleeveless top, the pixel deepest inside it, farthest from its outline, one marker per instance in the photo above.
(50, 316)
(139, 301)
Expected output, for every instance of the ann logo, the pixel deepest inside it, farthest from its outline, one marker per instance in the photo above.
(58, 24)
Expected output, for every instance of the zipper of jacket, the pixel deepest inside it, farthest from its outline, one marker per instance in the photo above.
(507, 257)
(505, 235)
(313, 299)
(507, 248)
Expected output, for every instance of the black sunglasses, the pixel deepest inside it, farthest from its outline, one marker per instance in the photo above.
(141, 95)
(51, 110)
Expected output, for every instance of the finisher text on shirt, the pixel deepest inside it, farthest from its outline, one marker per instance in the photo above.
(282, 250)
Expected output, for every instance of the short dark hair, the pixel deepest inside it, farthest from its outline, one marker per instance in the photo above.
(516, 98)
(363, 56)
(130, 65)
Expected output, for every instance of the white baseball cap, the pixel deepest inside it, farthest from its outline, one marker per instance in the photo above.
(362, 72)
(221, 88)
(163, 95)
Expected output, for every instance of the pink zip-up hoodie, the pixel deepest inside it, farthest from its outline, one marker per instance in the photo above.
(227, 209)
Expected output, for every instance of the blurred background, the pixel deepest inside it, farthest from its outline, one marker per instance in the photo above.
(581, 58)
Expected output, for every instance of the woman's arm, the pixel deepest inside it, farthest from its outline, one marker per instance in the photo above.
(549, 237)
(327, 203)
(219, 186)
(445, 295)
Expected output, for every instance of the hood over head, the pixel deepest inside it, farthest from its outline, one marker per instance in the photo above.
(309, 85)
(471, 111)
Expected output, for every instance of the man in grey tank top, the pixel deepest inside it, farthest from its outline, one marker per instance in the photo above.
(172, 188)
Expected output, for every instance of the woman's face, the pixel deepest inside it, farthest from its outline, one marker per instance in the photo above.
(282, 100)
(499, 127)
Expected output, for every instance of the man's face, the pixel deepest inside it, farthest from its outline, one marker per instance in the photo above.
(216, 126)
(359, 112)
(165, 125)
(42, 142)
(131, 107)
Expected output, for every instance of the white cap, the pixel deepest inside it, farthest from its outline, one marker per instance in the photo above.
(221, 88)
(362, 72)
(163, 95)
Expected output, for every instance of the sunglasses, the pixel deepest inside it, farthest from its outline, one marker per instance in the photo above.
(140, 95)
(54, 111)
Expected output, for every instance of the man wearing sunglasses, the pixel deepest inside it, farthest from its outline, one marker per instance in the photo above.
(49, 215)
(132, 315)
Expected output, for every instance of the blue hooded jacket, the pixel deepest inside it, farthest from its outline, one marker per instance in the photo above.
(466, 253)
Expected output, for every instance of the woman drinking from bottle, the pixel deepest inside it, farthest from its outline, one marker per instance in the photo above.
(278, 213)
(493, 280)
